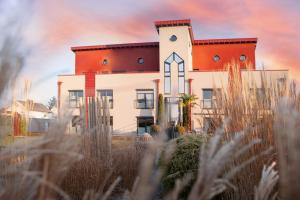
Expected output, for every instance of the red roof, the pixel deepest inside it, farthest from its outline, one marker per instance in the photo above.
(225, 41)
(115, 46)
(182, 22)
(170, 23)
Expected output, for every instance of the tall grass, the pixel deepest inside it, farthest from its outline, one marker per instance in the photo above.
(231, 164)
(252, 132)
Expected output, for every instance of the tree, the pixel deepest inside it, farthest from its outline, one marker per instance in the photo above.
(188, 101)
(51, 102)
(160, 109)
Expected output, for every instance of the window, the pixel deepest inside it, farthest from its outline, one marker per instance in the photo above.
(140, 60)
(243, 58)
(111, 122)
(209, 97)
(105, 62)
(145, 99)
(181, 78)
(173, 38)
(144, 125)
(216, 58)
(76, 123)
(167, 73)
(106, 94)
(75, 96)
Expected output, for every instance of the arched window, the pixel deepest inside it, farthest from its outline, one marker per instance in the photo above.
(167, 73)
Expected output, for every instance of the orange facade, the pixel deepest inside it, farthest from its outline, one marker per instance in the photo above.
(121, 58)
(124, 58)
(117, 60)
(203, 56)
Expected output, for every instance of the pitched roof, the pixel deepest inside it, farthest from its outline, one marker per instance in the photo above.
(38, 107)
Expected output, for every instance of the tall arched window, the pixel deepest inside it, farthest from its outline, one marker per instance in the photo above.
(181, 82)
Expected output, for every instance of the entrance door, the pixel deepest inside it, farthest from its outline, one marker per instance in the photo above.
(173, 111)
(144, 125)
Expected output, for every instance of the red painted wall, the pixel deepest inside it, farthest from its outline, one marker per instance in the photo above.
(203, 55)
(118, 60)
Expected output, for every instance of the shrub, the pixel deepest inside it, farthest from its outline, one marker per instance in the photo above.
(180, 129)
(160, 109)
(183, 161)
(155, 129)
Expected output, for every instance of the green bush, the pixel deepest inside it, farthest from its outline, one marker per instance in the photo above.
(160, 109)
(184, 160)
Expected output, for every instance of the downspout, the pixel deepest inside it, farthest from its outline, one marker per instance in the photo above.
(190, 106)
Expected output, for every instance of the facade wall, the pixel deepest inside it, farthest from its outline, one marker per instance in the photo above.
(182, 47)
(205, 80)
(203, 56)
(70, 82)
(122, 59)
(124, 88)
(124, 75)
(254, 78)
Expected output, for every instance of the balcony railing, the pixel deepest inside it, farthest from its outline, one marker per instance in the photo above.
(144, 104)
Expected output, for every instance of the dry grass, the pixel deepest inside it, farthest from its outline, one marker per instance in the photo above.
(59, 166)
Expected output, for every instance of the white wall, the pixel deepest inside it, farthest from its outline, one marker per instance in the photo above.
(70, 82)
(205, 80)
(124, 87)
(254, 78)
(182, 46)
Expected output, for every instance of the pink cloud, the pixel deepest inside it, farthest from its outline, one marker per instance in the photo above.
(275, 23)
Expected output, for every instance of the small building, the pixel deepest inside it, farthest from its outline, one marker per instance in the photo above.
(38, 116)
(132, 75)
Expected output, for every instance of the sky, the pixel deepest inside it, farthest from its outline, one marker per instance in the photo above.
(53, 26)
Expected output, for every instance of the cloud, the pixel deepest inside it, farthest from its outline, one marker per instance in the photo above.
(59, 24)
(275, 23)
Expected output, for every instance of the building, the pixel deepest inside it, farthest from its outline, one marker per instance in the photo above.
(38, 116)
(133, 75)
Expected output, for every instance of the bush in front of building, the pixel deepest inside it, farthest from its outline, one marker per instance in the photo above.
(155, 129)
(160, 108)
(180, 129)
(183, 161)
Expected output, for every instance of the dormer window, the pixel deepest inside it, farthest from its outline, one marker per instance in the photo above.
(140, 60)
(105, 62)
(243, 58)
(216, 58)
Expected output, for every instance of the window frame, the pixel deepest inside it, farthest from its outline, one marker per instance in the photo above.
(140, 59)
(243, 60)
(145, 92)
(149, 121)
(105, 61)
(174, 57)
(212, 100)
(110, 101)
(218, 58)
(77, 98)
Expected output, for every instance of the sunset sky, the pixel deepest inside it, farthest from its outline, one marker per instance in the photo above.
(56, 25)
